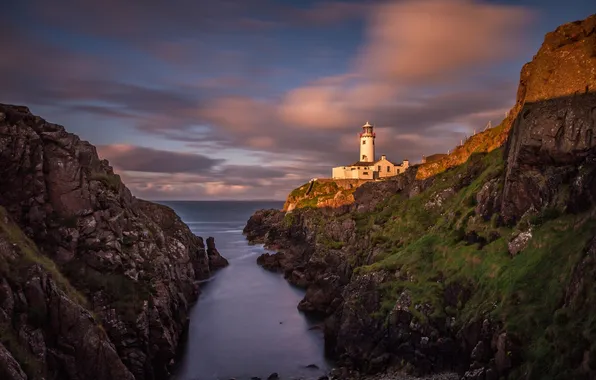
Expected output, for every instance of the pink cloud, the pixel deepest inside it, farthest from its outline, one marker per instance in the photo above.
(418, 41)
(411, 44)
(240, 114)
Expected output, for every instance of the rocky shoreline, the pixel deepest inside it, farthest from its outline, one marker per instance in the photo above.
(383, 270)
(95, 283)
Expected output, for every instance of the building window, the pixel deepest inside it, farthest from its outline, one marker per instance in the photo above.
(388, 168)
(379, 168)
(365, 173)
(363, 142)
(364, 157)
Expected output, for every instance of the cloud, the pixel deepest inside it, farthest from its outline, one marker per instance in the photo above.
(141, 159)
(186, 187)
(427, 40)
(411, 46)
(160, 174)
(223, 76)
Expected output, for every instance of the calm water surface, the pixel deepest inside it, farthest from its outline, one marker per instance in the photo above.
(245, 323)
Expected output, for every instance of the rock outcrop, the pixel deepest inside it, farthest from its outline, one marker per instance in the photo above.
(321, 193)
(552, 142)
(484, 267)
(99, 283)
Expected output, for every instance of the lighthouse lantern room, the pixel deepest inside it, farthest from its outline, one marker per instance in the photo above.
(367, 144)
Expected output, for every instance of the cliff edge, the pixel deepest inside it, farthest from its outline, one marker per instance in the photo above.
(96, 284)
(323, 192)
(484, 267)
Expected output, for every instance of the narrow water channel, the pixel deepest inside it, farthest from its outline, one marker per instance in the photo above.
(245, 323)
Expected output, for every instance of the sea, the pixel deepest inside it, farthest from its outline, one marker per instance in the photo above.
(245, 323)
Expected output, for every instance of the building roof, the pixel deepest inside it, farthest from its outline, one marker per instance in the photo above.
(362, 163)
(391, 162)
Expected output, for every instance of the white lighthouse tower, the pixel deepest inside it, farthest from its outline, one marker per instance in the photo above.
(367, 144)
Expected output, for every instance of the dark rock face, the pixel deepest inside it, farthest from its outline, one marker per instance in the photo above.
(270, 262)
(9, 367)
(134, 262)
(46, 329)
(551, 143)
(322, 269)
(216, 260)
(370, 194)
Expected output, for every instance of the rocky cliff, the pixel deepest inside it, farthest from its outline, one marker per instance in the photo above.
(323, 193)
(486, 268)
(95, 283)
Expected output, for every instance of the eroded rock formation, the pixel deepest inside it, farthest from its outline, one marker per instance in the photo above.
(96, 283)
(484, 269)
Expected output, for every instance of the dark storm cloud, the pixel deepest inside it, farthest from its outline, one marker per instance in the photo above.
(158, 174)
(134, 158)
(142, 159)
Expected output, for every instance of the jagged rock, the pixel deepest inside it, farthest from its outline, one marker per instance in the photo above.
(551, 143)
(271, 262)
(504, 353)
(9, 367)
(519, 242)
(55, 333)
(260, 225)
(367, 196)
(475, 374)
(216, 260)
(440, 197)
(131, 265)
(479, 353)
(488, 199)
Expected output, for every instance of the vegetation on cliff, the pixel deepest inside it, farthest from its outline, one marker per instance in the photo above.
(440, 240)
(483, 262)
(323, 193)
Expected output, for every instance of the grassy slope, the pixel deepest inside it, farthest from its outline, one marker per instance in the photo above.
(523, 292)
(321, 192)
(15, 269)
(482, 142)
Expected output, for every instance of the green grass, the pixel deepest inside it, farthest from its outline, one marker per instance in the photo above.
(16, 271)
(124, 294)
(29, 255)
(328, 242)
(320, 192)
(483, 142)
(111, 181)
(435, 247)
(288, 220)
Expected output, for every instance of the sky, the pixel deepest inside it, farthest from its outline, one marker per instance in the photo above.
(248, 99)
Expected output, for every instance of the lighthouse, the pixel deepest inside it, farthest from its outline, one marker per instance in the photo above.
(368, 167)
(367, 144)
